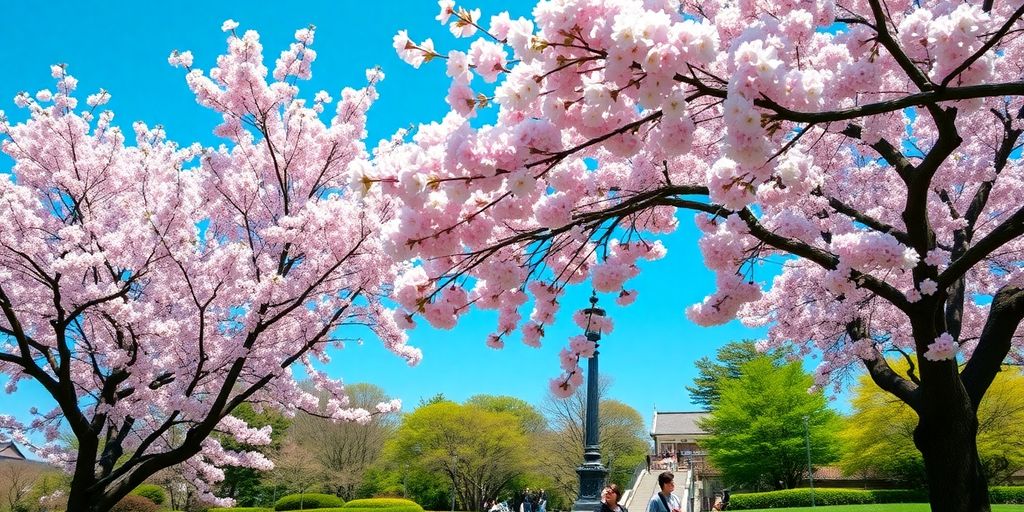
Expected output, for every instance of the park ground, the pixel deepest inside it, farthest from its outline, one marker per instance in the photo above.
(883, 507)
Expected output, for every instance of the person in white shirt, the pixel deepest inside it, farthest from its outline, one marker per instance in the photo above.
(664, 500)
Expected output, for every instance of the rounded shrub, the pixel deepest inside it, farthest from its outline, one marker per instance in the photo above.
(308, 501)
(152, 492)
(135, 503)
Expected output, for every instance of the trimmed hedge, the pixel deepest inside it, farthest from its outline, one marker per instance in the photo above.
(799, 498)
(382, 503)
(152, 492)
(308, 501)
(1006, 494)
(826, 496)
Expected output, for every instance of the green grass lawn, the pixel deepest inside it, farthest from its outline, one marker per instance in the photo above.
(882, 507)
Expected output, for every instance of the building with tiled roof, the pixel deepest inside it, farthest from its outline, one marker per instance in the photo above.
(9, 451)
(675, 432)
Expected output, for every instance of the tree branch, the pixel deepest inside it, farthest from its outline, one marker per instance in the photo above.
(1011, 228)
(885, 39)
(1004, 317)
(890, 153)
(987, 46)
(880, 371)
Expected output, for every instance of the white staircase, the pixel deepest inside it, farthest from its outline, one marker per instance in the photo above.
(637, 498)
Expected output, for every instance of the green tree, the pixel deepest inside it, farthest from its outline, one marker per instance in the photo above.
(478, 450)
(878, 436)
(726, 365)
(757, 427)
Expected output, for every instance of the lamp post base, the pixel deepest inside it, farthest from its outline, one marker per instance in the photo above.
(592, 478)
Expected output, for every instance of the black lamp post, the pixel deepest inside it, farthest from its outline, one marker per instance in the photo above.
(592, 472)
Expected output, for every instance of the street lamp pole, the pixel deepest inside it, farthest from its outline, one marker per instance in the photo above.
(592, 473)
(810, 472)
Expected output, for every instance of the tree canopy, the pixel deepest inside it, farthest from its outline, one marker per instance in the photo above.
(478, 450)
(757, 428)
(706, 387)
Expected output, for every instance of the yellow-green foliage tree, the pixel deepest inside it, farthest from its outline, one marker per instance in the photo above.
(878, 437)
(481, 451)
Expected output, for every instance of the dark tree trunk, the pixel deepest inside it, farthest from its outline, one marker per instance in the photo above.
(946, 436)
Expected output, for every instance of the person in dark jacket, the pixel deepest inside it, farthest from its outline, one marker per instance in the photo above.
(610, 497)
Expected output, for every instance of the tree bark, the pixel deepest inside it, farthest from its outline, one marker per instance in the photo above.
(946, 439)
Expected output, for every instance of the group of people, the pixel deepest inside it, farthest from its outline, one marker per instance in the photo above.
(663, 501)
(528, 501)
(668, 460)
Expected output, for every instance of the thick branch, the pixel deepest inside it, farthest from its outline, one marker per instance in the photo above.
(1004, 317)
(822, 258)
(1010, 228)
(868, 220)
(926, 98)
(890, 153)
(881, 373)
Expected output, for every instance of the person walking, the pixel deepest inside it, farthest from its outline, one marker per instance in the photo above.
(610, 497)
(664, 500)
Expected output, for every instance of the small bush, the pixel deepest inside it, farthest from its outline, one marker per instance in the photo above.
(308, 501)
(1006, 494)
(382, 503)
(152, 492)
(134, 503)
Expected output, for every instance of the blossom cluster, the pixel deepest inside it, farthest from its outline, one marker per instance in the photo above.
(603, 105)
(192, 276)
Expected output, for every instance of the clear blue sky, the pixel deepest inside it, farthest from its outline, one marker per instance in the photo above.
(123, 47)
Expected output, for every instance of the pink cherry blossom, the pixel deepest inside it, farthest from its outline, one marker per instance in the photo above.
(943, 348)
(196, 303)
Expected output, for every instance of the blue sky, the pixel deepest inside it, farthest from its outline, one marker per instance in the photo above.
(123, 47)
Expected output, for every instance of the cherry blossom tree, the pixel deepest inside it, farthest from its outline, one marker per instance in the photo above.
(150, 287)
(869, 148)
